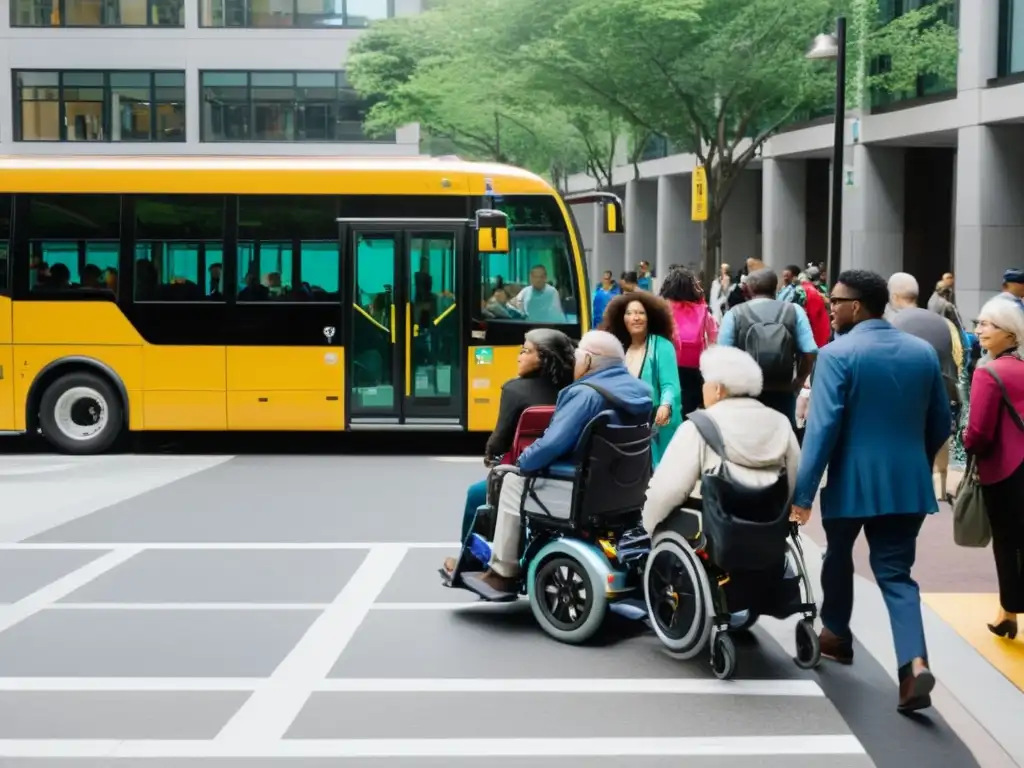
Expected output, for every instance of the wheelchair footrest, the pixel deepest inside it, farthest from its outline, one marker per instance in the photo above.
(474, 583)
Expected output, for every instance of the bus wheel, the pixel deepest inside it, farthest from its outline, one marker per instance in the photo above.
(81, 413)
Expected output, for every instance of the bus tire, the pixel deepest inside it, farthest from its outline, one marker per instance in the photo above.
(81, 413)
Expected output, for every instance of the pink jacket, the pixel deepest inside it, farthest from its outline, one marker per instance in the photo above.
(992, 434)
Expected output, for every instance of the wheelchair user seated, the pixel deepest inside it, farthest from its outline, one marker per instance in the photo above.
(544, 368)
(759, 443)
(602, 383)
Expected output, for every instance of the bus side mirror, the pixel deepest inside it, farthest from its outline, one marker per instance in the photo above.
(491, 232)
(613, 218)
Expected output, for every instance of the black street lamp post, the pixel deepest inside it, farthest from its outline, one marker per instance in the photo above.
(834, 47)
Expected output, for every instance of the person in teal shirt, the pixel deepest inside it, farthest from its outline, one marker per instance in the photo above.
(642, 322)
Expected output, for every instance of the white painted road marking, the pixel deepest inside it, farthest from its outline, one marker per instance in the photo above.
(752, 746)
(269, 712)
(15, 613)
(652, 686)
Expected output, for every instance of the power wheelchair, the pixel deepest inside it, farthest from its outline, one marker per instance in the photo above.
(572, 566)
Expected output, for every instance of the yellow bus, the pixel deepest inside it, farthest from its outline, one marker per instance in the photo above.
(274, 293)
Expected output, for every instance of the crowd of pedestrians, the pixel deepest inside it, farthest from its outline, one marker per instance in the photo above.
(878, 391)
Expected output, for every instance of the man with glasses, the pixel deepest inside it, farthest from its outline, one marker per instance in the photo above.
(879, 415)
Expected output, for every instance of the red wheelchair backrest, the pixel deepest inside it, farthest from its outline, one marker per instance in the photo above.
(532, 423)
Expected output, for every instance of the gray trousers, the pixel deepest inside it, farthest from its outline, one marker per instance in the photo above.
(555, 496)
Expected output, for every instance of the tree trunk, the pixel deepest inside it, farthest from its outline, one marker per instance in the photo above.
(710, 245)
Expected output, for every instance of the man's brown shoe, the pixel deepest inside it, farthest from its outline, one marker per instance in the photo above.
(501, 583)
(834, 647)
(915, 690)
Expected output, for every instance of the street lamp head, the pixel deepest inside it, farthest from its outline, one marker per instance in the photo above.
(824, 47)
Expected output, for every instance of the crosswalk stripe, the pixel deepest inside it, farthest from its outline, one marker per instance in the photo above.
(754, 746)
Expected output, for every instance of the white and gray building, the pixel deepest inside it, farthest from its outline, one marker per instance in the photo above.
(933, 181)
(169, 77)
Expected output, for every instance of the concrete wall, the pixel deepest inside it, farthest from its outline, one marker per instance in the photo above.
(989, 211)
(191, 49)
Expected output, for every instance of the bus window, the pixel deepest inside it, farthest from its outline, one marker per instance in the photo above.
(73, 241)
(288, 249)
(532, 283)
(179, 249)
(273, 274)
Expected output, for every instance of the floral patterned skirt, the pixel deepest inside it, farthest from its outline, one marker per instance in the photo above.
(957, 455)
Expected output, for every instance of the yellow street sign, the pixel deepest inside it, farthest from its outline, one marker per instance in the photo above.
(699, 207)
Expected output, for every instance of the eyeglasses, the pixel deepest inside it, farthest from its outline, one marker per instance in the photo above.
(842, 299)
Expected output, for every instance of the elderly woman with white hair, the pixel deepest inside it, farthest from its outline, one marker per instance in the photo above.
(995, 438)
(759, 441)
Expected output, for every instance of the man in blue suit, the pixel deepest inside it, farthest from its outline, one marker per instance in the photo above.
(879, 413)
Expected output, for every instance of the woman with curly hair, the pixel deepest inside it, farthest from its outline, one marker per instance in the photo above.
(644, 326)
(545, 367)
(696, 330)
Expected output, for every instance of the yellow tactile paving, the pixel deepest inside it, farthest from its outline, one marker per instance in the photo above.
(968, 614)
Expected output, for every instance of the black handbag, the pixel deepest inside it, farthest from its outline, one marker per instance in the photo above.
(746, 528)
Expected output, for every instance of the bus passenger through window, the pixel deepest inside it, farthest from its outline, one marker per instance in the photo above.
(532, 283)
(179, 249)
(74, 242)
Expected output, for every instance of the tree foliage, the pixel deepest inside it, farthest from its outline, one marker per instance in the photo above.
(558, 85)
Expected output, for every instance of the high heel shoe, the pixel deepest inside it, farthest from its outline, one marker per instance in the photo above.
(1006, 628)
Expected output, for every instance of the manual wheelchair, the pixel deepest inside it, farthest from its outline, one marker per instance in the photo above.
(693, 601)
(582, 547)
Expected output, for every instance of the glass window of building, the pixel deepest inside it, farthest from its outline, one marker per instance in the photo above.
(99, 106)
(97, 13)
(281, 107)
(1011, 33)
(308, 14)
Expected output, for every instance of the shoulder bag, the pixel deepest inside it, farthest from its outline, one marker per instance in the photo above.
(971, 527)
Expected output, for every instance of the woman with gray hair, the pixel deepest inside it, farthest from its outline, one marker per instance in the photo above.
(759, 441)
(995, 438)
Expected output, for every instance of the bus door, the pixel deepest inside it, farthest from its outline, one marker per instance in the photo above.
(404, 350)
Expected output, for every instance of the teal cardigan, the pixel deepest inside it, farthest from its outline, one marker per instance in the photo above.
(662, 374)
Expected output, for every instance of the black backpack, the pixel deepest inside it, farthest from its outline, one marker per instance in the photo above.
(766, 330)
(746, 527)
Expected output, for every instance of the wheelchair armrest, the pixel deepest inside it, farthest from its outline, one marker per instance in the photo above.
(506, 469)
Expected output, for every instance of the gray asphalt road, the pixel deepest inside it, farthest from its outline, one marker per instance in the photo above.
(285, 611)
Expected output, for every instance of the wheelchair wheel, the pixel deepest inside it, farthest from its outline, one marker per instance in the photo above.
(564, 601)
(678, 596)
(808, 647)
(723, 656)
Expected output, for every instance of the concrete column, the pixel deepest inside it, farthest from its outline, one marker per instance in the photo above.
(989, 211)
(873, 211)
(978, 31)
(740, 238)
(641, 222)
(678, 236)
(784, 212)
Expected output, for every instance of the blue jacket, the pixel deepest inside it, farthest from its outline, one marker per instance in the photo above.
(577, 405)
(879, 414)
(602, 298)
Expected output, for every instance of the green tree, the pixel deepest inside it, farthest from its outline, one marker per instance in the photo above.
(555, 84)
(443, 70)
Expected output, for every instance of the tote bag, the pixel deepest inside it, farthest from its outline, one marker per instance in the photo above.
(971, 527)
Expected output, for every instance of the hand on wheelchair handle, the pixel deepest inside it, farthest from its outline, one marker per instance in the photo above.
(799, 515)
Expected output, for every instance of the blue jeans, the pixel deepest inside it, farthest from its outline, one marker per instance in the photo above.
(476, 496)
(892, 543)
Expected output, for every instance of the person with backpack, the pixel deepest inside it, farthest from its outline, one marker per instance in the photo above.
(643, 325)
(758, 446)
(778, 336)
(696, 330)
